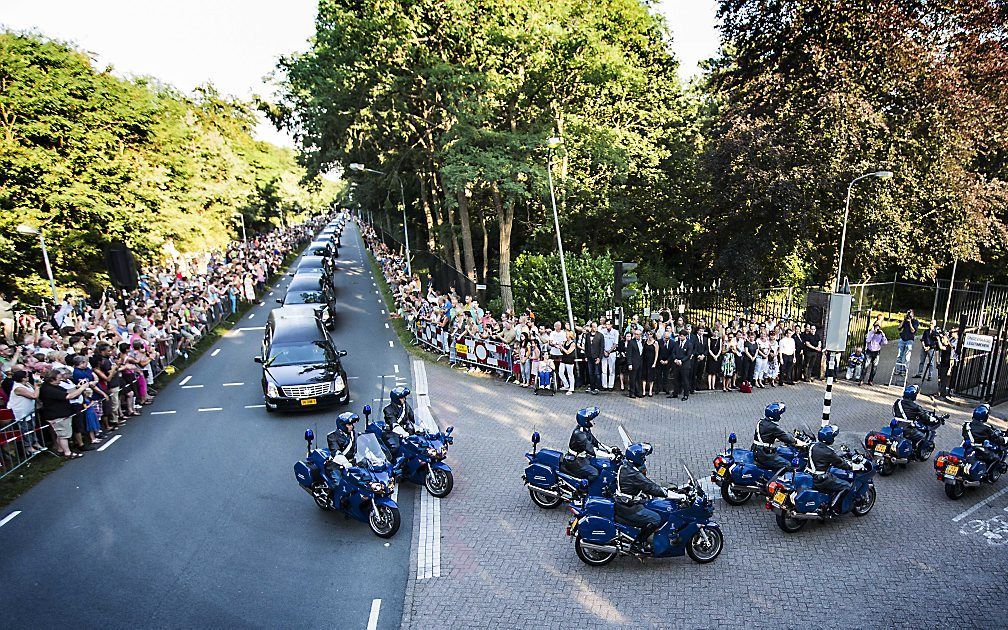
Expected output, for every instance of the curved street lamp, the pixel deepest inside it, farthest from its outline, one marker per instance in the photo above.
(843, 235)
(357, 166)
(27, 229)
(551, 145)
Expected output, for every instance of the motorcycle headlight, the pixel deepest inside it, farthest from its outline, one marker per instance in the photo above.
(272, 391)
(432, 452)
(338, 384)
(377, 486)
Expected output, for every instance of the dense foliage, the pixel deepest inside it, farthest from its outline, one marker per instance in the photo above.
(93, 159)
(539, 285)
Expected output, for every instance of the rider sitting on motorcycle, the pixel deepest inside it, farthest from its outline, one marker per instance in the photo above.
(582, 446)
(978, 430)
(822, 457)
(767, 432)
(342, 446)
(399, 419)
(633, 489)
(907, 412)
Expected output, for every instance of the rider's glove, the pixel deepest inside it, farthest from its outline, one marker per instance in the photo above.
(672, 494)
(401, 432)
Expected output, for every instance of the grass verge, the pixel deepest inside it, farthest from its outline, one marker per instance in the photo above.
(398, 324)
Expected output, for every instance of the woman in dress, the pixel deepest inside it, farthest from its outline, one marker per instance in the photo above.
(762, 359)
(622, 367)
(715, 348)
(649, 365)
(567, 362)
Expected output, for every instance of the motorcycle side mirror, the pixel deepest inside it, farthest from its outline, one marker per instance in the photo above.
(279, 301)
(342, 353)
(257, 359)
(732, 439)
(535, 438)
(987, 444)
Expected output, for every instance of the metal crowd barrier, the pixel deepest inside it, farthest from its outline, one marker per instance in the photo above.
(16, 437)
(486, 354)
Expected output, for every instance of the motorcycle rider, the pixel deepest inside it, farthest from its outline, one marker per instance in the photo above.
(633, 489)
(821, 458)
(342, 445)
(399, 419)
(582, 445)
(908, 412)
(768, 432)
(977, 430)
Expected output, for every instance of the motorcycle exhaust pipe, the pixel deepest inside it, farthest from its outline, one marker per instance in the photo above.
(600, 548)
(550, 493)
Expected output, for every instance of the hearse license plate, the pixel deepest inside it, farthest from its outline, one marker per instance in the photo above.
(779, 497)
(952, 470)
(307, 401)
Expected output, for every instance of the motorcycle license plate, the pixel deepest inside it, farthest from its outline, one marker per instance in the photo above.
(779, 497)
(307, 401)
(880, 448)
(952, 470)
(721, 471)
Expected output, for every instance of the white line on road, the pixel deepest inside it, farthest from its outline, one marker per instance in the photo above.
(109, 443)
(215, 352)
(396, 366)
(429, 554)
(161, 413)
(372, 621)
(251, 315)
(185, 380)
(390, 344)
(232, 384)
(210, 409)
(386, 325)
(244, 328)
(191, 386)
(271, 293)
(980, 505)
(254, 406)
(10, 517)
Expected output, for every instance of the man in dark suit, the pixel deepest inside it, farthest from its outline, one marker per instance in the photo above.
(682, 365)
(665, 359)
(699, 338)
(594, 345)
(635, 351)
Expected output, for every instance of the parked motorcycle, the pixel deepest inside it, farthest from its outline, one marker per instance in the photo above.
(961, 468)
(549, 487)
(421, 455)
(686, 527)
(792, 497)
(363, 491)
(889, 446)
(738, 475)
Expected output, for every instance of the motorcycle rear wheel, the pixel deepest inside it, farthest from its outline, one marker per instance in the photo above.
(542, 500)
(994, 473)
(706, 545)
(865, 503)
(734, 496)
(954, 490)
(887, 468)
(439, 482)
(924, 451)
(592, 557)
(323, 503)
(384, 521)
(789, 525)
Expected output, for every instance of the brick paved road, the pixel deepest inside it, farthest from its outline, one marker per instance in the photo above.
(507, 563)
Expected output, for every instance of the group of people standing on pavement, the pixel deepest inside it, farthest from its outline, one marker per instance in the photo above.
(937, 353)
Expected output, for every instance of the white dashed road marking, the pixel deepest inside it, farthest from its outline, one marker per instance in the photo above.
(390, 344)
(161, 413)
(386, 325)
(109, 443)
(372, 622)
(215, 352)
(210, 409)
(254, 406)
(980, 505)
(191, 386)
(396, 366)
(10, 517)
(233, 384)
(244, 328)
(429, 554)
(251, 315)
(185, 380)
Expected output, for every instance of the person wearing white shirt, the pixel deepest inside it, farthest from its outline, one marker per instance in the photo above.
(610, 339)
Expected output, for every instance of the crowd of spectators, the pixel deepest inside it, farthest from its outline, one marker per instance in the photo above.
(89, 364)
(658, 354)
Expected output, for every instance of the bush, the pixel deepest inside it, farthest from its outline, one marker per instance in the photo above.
(538, 285)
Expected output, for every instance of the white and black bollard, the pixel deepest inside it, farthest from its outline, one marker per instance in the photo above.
(828, 396)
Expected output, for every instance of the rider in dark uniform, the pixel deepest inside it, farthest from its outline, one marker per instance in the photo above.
(399, 419)
(582, 446)
(633, 489)
(977, 430)
(342, 445)
(907, 412)
(821, 459)
(766, 434)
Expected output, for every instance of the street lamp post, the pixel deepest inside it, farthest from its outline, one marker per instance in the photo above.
(356, 166)
(26, 229)
(239, 215)
(846, 214)
(553, 143)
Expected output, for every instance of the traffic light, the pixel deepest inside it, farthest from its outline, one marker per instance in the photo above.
(624, 276)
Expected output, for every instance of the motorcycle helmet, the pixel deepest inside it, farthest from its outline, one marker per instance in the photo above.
(774, 411)
(347, 418)
(981, 413)
(828, 433)
(399, 394)
(586, 415)
(910, 392)
(637, 454)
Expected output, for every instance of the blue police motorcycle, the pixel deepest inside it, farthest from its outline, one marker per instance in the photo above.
(686, 528)
(549, 486)
(363, 491)
(960, 468)
(889, 446)
(740, 477)
(421, 456)
(795, 502)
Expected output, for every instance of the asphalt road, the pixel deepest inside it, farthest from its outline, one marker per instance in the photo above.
(193, 516)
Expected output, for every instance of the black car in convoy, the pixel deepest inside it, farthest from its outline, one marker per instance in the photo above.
(301, 365)
(323, 248)
(310, 293)
(319, 264)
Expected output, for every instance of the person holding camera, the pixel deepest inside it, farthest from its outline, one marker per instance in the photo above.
(908, 331)
(57, 408)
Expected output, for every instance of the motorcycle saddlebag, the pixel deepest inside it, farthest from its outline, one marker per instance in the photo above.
(539, 475)
(600, 526)
(306, 473)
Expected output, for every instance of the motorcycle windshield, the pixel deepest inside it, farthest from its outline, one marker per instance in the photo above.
(369, 451)
(425, 422)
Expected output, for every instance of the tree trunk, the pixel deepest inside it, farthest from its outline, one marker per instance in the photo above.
(467, 244)
(505, 216)
(428, 216)
(486, 247)
(451, 240)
